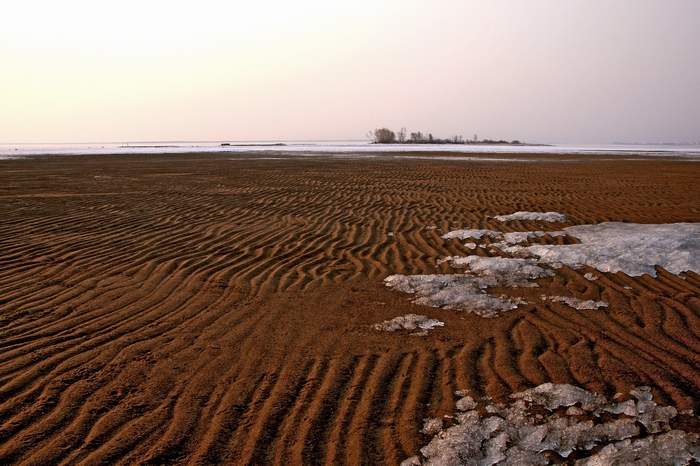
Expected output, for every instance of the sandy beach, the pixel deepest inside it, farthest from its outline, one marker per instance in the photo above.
(203, 309)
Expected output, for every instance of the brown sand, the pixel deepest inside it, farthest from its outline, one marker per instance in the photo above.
(209, 309)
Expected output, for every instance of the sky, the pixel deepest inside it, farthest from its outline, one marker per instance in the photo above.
(548, 71)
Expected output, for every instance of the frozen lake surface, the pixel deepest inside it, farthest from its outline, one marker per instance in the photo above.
(341, 148)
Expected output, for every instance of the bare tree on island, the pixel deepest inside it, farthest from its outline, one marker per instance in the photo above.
(401, 135)
(382, 136)
(417, 137)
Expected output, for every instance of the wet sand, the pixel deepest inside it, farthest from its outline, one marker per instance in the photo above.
(217, 308)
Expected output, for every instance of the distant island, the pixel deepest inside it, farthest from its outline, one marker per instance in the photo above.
(387, 136)
(254, 145)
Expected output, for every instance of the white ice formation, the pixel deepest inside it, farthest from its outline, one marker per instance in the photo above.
(543, 216)
(499, 271)
(466, 292)
(409, 322)
(432, 426)
(580, 304)
(475, 234)
(552, 421)
(455, 291)
(633, 249)
(506, 239)
(515, 237)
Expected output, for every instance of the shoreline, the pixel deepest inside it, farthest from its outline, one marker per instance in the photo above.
(346, 147)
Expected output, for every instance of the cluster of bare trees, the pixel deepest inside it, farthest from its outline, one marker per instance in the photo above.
(382, 136)
(387, 136)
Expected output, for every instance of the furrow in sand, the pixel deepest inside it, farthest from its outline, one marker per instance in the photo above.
(340, 437)
(288, 430)
(337, 437)
(411, 404)
(529, 345)
(363, 446)
(312, 419)
(238, 395)
(390, 439)
(495, 385)
(505, 360)
(262, 441)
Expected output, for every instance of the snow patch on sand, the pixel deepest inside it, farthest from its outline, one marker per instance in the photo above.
(580, 304)
(521, 236)
(409, 322)
(454, 292)
(536, 216)
(475, 234)
(633, 249)
(535, 425)
(466, 292)
(504, 239)
(499, 271)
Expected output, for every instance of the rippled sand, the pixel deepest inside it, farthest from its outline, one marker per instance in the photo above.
(204, 309)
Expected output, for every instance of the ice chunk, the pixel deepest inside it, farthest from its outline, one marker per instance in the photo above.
(553, 396)
(590, 277)
(642, 393)
(466, 298)
(575, 411)
(544, 216)
(657, 419)
(475, 234)
(432, 426)
(412, 461)
(495, 448)
(465, 291)
(511, 435)
(625, 247)
(628, 408)
(520, 236)
(509, 238)
(408, 322)
(499, 271)
(458, 292)
(466, 403)
(672, 448)
(579, 304)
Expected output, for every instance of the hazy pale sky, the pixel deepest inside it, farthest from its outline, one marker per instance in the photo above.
(574, 71)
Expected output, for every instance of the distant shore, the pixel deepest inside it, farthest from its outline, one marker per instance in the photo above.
(387, 136)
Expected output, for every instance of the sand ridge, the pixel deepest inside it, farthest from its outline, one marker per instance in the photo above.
(196, 309)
